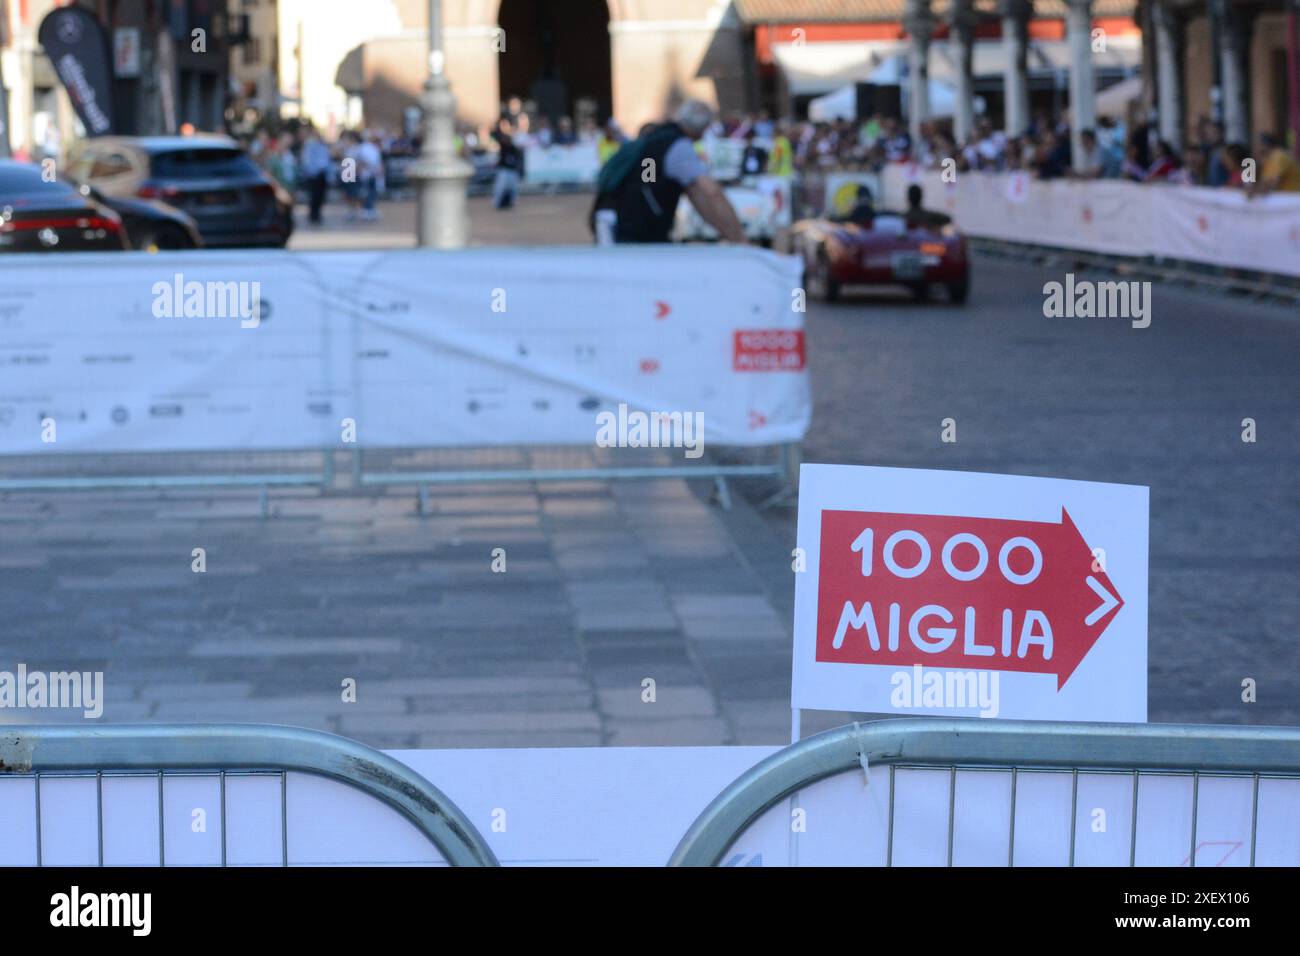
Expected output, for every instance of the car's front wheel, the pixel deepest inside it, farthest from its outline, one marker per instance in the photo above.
(958, 291)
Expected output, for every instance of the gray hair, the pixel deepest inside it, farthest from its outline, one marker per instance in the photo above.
(694, 116)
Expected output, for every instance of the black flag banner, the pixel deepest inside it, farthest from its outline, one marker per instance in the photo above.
(77, 45)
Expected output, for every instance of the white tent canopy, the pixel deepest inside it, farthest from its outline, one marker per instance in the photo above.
(1114, 100)
(843, 102)
(943, 94)
(813, 69)
(816, 68)
(840, 104)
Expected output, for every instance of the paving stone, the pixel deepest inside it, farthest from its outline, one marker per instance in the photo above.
(592, 565)
(520, 703)
(196, 690)
(481, 722)
(502, 685)
(253, 708)
(640, 619)
(296, 647)
(619, 675)
(757, 688)
(732, 629)
(671, 700)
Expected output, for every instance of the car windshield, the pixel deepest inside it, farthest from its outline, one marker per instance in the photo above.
(203, 164)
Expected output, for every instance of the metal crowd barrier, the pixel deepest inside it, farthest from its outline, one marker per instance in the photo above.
(222, 750)
(1139, 750)
(426, 467)
(421, 467)
(169, 471)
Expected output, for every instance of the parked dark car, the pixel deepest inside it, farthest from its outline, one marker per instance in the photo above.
(231, 199)
(51, 216)
(150, 224)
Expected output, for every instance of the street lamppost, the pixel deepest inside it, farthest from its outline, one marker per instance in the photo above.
(441, 176)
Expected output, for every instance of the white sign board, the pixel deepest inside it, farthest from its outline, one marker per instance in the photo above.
(965, 594)
(192, 351)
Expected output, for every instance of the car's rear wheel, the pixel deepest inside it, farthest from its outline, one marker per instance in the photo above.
(958, 291)
(156, 238)
(818, 281)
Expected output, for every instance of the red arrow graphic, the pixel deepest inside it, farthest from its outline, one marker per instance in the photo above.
(662, 309)
(948, 591)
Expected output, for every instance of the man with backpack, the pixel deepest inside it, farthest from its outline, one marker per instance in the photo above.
(639, 187)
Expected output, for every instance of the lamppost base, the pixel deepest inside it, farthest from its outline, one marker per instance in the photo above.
(441, 177)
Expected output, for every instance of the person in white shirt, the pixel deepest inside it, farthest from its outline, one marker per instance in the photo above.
(370, 174)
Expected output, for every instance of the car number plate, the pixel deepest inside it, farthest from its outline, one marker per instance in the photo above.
(907, 265)
(222, 198)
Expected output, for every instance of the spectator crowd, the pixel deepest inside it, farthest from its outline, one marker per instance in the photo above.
(358, 162)
(1112, 151)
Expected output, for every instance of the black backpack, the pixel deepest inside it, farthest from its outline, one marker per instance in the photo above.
(645, 210)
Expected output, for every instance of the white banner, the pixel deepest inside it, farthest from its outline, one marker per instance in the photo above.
(762, 203)
(567, 165)
(1217, 226)
(723, 156)
(1226, 228)
(275, 350)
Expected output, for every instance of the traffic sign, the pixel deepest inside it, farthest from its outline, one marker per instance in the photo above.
(937, 592)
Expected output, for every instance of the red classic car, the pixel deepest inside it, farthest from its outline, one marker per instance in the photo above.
(916, 249)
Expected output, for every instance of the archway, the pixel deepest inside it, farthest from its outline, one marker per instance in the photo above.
(557, 54)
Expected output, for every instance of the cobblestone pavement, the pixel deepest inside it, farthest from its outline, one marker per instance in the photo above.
(538, 218)
(605, 585)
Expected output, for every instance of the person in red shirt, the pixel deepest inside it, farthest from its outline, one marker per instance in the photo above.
(1233, 154)
(1164, 164)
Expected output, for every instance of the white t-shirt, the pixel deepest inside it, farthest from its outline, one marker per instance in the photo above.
(370, 162)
